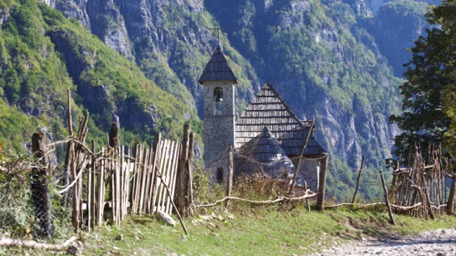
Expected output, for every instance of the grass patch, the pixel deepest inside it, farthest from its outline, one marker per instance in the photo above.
(252, 231)
(246, 230)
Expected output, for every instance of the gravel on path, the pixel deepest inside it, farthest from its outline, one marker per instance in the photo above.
(436, 242)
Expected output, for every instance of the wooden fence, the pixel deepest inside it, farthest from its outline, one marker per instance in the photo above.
(422, 189)
(106, 185)
(138, 183)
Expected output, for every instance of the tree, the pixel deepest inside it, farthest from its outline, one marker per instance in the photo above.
(429, 94)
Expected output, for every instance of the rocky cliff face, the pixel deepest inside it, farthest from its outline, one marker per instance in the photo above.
(169, 40)
(325, 65)
(318, 55)
(363, 7)
(102, 19)
(395, 26)
(43, 55)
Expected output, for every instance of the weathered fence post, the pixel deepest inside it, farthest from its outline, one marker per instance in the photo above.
(78, 162)
(189, 189)
(92, 204)
(358, 179)
(155, 169)
(101, 188)
(451, 196)
(114, 170)
(387, 200)
(426, 196)
(322, 183)
(114, 136)
(180, 193)
(70, 148)
(40, 197)
(229, 183)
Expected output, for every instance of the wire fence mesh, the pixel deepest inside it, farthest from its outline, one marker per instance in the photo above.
(39, 200)
(24, 210)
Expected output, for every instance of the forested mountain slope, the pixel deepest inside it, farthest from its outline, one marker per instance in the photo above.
(43, 55)
(335, 61)
(170, 40)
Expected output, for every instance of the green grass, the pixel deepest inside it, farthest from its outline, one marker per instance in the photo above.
(252, 231)
(245, 230)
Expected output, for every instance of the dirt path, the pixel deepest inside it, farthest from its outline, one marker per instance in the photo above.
(437, 242)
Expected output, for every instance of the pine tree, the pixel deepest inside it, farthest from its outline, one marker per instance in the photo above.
(429, 94)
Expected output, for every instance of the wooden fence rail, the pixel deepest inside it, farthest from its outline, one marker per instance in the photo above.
(119, 180)
(423, 184)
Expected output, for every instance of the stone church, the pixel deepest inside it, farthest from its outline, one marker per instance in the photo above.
(268, 138)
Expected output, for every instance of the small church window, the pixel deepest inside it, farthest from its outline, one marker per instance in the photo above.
(218, 97)
(219, 175)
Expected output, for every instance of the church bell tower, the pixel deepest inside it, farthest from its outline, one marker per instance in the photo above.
(218, 83)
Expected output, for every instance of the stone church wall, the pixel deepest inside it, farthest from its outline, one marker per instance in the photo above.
(219, 132)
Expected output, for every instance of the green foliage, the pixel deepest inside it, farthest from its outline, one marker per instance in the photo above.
(341, 183)
(184, 51)
(312, 51)
(395, 22)
(34, 80)
(403, 8)
(14, 127)
(42, 55)
(428, 94)
(444, 16)
(203, 191)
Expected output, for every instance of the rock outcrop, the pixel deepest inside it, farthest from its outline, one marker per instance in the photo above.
(169, 40)
(320, 56)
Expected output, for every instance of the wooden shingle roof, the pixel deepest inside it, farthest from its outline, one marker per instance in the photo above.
(217, 69)
(265, 148)
(269, 110)
(265, 153)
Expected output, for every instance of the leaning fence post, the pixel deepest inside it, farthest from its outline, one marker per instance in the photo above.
(180, 195)
(191, 146)
(155, 170)
(387, 200)
(40, 189)
(358, 180)
(229, 183)
(322, 183)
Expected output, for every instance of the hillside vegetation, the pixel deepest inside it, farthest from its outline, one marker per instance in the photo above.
(329, 60)
(43, 55)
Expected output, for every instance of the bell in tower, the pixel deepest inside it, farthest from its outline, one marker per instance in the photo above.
(218, 82)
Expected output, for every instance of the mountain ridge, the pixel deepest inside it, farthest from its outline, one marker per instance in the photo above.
(324, 58)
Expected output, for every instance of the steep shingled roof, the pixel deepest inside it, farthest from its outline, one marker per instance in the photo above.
(265, 148)
(217, 69)
(267, 156)
(269, 110)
